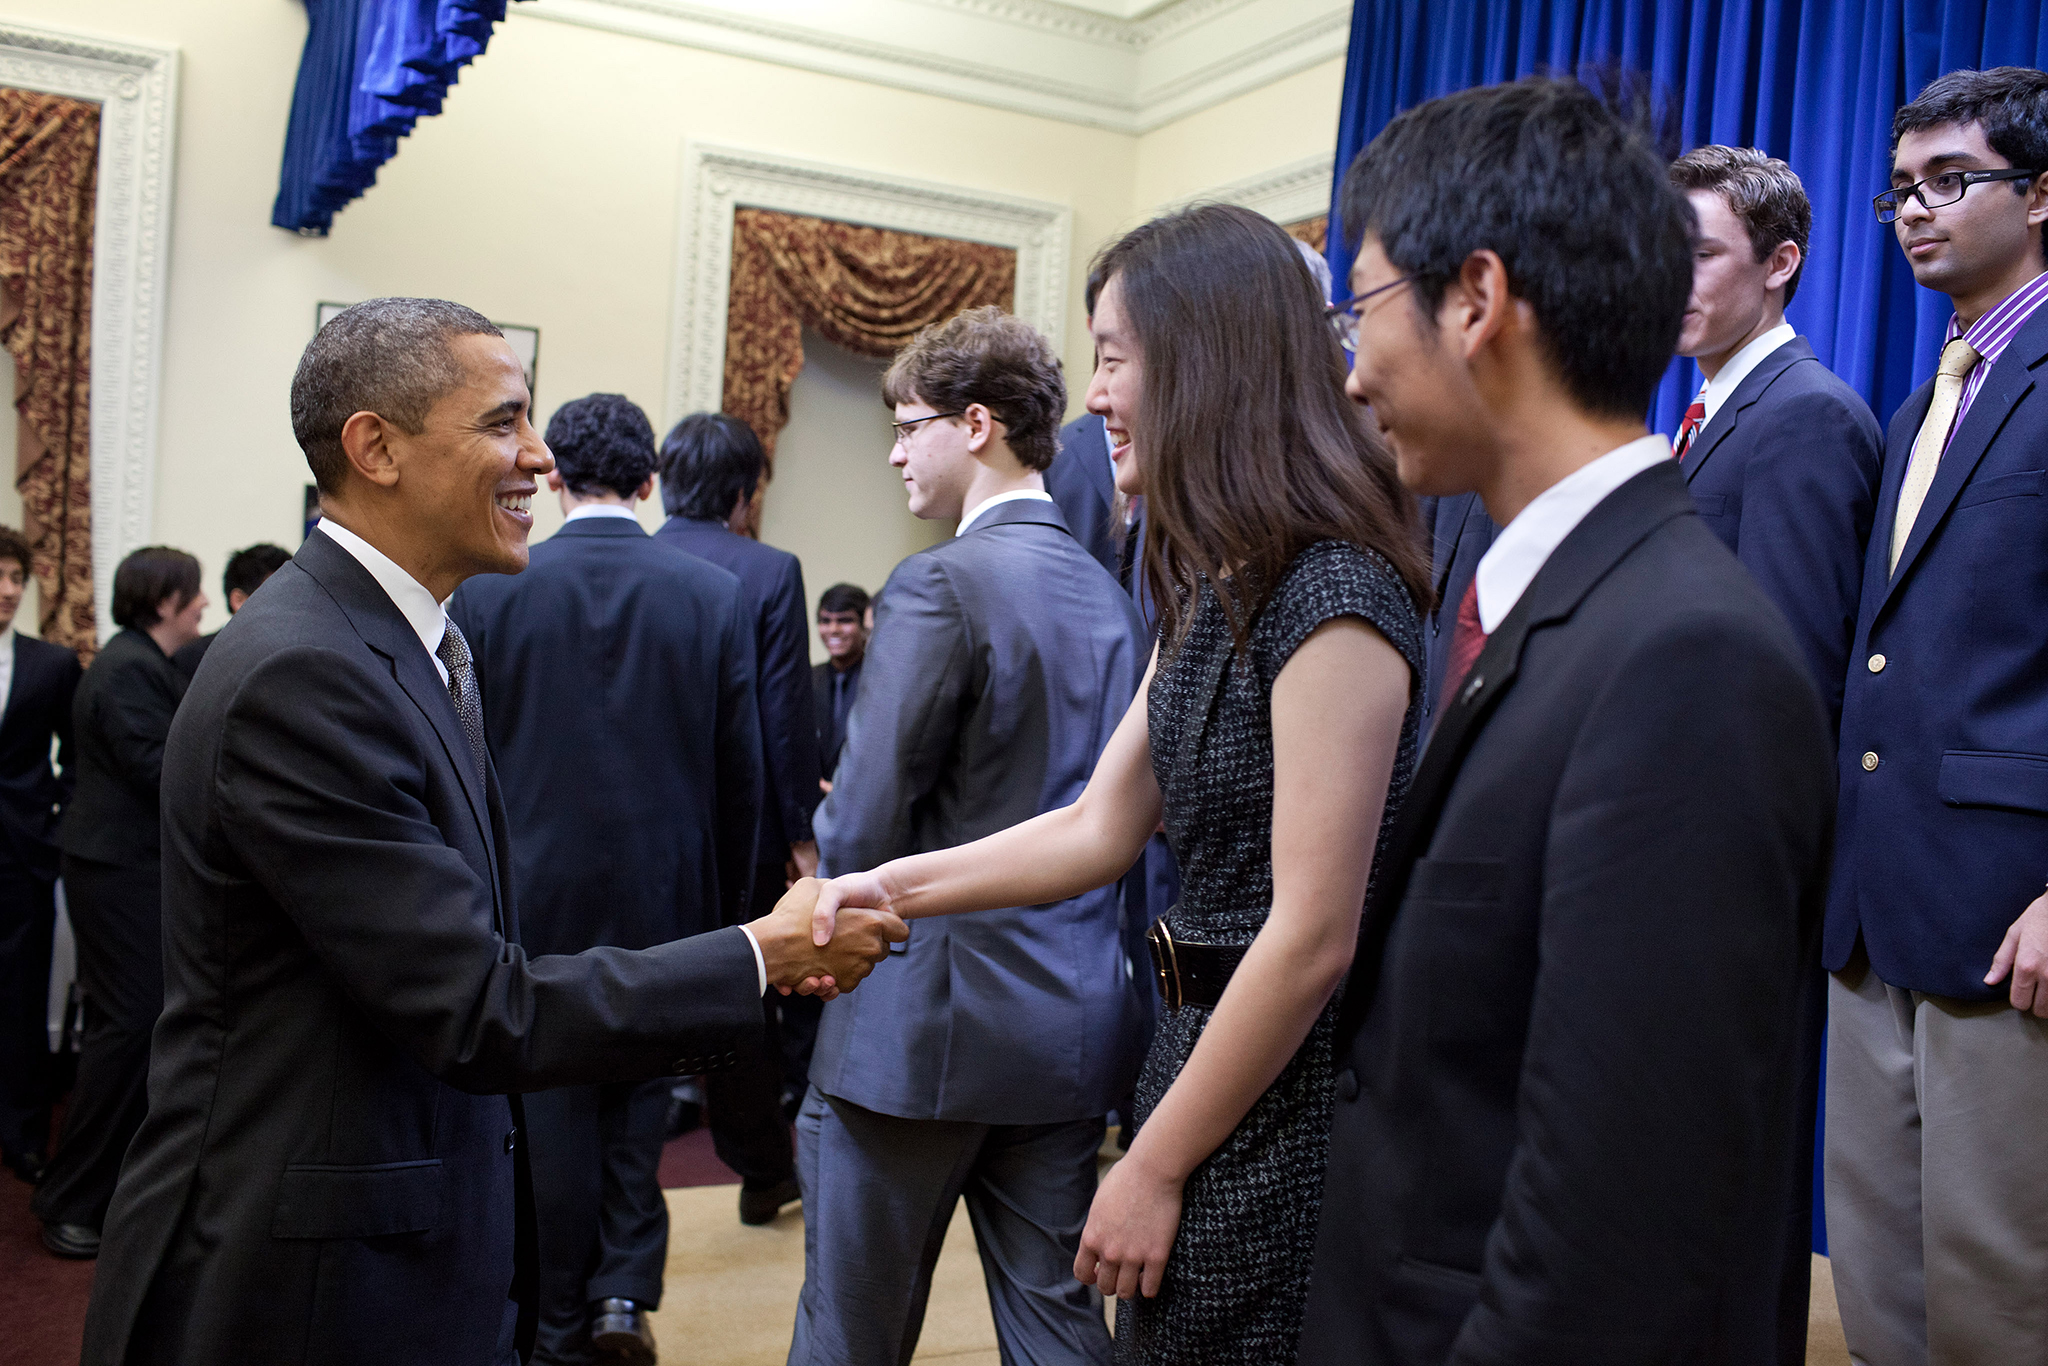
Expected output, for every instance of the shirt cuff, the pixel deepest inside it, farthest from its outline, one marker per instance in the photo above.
(760, 963)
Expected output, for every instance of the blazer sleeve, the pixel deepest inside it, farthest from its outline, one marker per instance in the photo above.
(913, 685)
(134, 715)
(322, 798)
(1682, 879)
(1809, 492)
(790, 729)
(740, 774)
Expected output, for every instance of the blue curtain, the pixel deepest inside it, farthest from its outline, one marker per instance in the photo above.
(371, 70)
(1812, 81)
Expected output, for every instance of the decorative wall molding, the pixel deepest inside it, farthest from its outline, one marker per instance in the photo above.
(718, 179)
(136, 87)
(1128, 68)
(1286, 194)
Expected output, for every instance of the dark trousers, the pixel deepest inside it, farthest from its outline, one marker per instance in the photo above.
(599, 1215)
(744, 1102)
(116, 915)
(28, 917)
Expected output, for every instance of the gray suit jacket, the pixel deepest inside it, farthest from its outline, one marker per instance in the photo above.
(1002, 661)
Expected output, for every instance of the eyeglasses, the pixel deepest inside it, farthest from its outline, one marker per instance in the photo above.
(1938, 191)
(1344, 317)
(903, 428)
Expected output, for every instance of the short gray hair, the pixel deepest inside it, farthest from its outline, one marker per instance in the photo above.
(385, 356)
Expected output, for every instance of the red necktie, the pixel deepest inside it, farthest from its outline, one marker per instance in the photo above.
(1467, 640)
(1694, 416)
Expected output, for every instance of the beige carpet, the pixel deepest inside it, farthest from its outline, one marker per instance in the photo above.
(731, 1293)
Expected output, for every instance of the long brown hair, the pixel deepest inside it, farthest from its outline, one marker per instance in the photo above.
(1251, 452)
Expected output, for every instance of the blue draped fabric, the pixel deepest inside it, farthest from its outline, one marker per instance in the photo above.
(1812, 81)
(370, 71)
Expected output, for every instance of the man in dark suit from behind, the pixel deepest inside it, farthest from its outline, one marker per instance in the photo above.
(712, 466)
(617, 678)
(1565, 1118)
(333, 1164)
(1937, 932)
(246, 571)
(1782, 460)
(37, 680)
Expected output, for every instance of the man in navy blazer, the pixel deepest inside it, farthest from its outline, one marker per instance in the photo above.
(37, 680)
(1937, 930)
(617, 678)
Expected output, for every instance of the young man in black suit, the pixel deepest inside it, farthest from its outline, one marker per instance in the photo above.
(843, 629)
(617, 679)
(37, 680)
(332, 1162)
(1564, 1119)
(247, 569)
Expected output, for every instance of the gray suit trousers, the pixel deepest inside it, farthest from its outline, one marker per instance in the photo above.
(879, 1192)
(1937, 1186)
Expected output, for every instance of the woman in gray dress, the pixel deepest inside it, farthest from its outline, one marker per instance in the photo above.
(1275, 735)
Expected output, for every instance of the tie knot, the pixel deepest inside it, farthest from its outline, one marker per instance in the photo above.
(1697, 411)
(453, 650)
(1958, 359)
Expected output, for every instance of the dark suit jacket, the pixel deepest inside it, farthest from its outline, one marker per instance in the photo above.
(1943, 832)
(328, 1169)
(618, 688)
(120, 717)
(187, 659)
(831, 739)
(38, 706)
(1786, 475)
(981, 706)
(1082, 485)
(1565, 1128)
(1460, 534)
(772, 585)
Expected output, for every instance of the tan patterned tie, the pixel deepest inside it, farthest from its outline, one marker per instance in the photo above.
(1958, 359)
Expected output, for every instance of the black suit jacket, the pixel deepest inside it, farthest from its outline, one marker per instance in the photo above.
(1084, 489)
(328, 1170)
(1460, 534)
(772, 586)
(188, 658)
(38, 707)
(618, 688)
(1564, 1128)
(1786, 475)
(831, 738)
(120, 717)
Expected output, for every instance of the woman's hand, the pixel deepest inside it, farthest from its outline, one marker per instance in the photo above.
(851, 889)
(1130, 1231)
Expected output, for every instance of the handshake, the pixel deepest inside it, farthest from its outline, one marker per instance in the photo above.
(797, 962)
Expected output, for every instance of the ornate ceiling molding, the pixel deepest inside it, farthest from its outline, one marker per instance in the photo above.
(1286, 194)
(718, 179)
(135, 86)
(1060, 61)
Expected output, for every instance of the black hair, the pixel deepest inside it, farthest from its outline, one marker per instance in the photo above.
(603, 441)
(384, 356)
(2009, 102)
(844, 597)
(1570, 193)
(708, 463)
(247, 569)
(146, 578)
(15, 546)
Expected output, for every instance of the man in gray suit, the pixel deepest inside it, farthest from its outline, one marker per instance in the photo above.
(981, 1060)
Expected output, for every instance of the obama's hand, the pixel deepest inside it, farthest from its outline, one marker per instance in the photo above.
(795, 962)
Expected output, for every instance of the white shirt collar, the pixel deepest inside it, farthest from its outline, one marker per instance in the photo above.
(6, 665)
(599, 510)
(426, 617)
(1526, 543)
(1014, 495)
(1738, 367)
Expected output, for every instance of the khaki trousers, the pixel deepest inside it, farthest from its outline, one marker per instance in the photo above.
(1936, 1175)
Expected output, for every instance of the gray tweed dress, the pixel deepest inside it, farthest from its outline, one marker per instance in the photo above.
(1236, 1280)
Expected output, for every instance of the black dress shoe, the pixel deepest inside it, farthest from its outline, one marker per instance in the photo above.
(75, 1241)
(619, 1332)
(761, 1206)
(28, 1166)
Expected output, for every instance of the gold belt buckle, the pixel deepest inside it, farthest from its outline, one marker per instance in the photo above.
(1164, 962)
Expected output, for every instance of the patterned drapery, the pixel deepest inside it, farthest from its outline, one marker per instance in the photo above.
(1314, 231)
(866, 289)
(49, 167)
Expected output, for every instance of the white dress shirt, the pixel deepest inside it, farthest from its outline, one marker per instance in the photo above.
(6, 666)
(599, 510)
(429, 622)
(1737, 370)
(974, 513)
(1524, 544)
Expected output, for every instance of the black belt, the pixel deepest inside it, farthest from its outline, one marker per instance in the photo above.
(1190, 974)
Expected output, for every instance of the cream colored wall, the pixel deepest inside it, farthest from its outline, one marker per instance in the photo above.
(1292, 119)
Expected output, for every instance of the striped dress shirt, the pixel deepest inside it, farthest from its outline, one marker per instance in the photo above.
(1989, 336)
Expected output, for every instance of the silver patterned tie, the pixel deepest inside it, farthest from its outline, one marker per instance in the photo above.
(469, 707)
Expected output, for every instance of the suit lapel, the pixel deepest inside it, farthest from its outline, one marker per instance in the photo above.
(17, 685)
(1753, 387)
(1461, 505)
